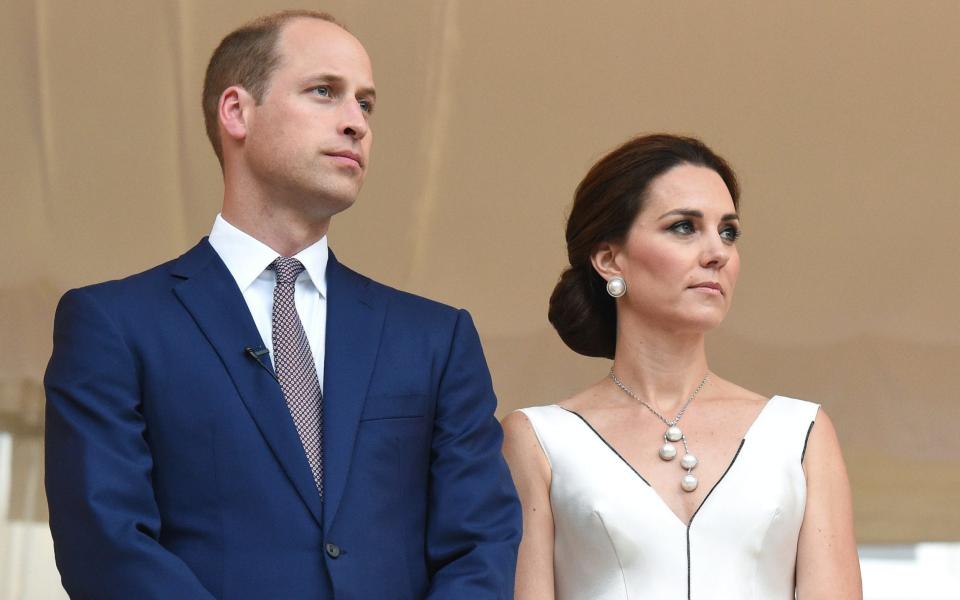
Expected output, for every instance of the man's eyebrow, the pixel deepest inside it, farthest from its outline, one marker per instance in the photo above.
(693, 213)
(337, 79)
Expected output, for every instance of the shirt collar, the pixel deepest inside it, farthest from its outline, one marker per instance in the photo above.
(247, 257)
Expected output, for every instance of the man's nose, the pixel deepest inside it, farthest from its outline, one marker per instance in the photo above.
(353, 120)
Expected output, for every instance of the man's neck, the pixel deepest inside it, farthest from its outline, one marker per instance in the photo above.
(285, 233)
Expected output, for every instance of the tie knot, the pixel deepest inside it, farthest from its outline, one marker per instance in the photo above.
(286, 268)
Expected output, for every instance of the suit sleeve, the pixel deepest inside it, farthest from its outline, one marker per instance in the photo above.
(103, 514)
(474, 516)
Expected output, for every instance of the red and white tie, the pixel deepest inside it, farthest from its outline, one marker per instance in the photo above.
(295, 368)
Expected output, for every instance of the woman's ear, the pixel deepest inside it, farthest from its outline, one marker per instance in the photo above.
(604, 260)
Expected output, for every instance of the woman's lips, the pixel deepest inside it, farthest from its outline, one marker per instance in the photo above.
(709, 287)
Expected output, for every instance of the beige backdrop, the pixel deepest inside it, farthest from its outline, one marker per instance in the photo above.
(841, 118)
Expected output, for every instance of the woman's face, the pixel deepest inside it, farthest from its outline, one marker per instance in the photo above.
(680, 258)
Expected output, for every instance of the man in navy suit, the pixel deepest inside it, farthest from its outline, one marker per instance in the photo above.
(256, 420)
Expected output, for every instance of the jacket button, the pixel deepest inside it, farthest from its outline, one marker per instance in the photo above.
(333, 550)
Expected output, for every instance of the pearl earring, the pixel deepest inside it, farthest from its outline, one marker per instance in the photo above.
(616, 286)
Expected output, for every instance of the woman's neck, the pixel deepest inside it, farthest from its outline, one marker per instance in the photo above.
(661, 367)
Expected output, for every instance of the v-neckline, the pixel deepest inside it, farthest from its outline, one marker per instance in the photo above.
(653, 490)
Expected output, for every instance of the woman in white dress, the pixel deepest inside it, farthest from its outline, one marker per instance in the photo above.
(663, 480)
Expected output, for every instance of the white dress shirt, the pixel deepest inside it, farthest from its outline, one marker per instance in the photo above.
(247, 260)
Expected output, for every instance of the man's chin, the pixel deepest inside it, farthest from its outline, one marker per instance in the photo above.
(330, 204)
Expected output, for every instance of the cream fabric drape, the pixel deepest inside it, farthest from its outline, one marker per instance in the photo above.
(841, 118)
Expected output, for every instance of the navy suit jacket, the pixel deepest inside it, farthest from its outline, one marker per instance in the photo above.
(174, 470)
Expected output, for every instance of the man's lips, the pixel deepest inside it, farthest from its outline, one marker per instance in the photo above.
(709, 286)
(347, 155)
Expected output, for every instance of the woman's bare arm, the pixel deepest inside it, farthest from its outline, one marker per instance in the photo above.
(531, 475)
(827, 563)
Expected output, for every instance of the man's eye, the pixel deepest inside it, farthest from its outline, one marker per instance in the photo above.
(322, 90)
(366, 106)
(682, 227)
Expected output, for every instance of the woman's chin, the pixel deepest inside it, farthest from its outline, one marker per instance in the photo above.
(701, 323)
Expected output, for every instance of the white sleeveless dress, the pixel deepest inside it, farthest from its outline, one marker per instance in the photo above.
(616, 539)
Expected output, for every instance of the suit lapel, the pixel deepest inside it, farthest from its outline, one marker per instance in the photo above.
(355, 315)
(210, 295)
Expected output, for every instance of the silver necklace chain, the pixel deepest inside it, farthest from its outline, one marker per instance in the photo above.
(673, 433)
(668, 423)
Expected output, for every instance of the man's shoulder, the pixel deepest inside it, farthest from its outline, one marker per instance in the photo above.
(404, 301)
(146, 282)
(125, 287)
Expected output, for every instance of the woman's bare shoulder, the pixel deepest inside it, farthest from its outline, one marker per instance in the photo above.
(583, 400)
(737, 393)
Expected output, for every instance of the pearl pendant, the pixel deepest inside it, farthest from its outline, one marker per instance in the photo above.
(668, 451)
(689, 483)
(688, 461)
(674, 434)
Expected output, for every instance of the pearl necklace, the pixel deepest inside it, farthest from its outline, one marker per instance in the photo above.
(673, 433)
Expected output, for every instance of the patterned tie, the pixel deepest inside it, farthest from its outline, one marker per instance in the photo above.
(295, 368)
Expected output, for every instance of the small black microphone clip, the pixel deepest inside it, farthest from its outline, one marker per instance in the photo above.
(255, 354)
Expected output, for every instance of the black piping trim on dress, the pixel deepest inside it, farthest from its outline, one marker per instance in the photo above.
(704, 501)
(739, 448)
(805, 440)
(612, 449)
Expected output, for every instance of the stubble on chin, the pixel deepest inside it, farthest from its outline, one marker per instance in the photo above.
(330, 201)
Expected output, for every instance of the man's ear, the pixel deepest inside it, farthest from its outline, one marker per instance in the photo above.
(605, 260)
(233, 112)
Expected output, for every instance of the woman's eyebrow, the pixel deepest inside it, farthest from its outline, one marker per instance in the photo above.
(693, 213)
(683, 212)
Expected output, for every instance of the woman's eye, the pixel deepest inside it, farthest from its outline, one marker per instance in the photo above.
(730, 234)
(682, 227)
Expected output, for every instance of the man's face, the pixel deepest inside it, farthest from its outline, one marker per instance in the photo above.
(308, 141)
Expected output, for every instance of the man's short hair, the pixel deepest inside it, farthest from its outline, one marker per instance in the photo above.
(246, 57)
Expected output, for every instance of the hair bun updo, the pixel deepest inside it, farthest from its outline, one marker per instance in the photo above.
(583, 314)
